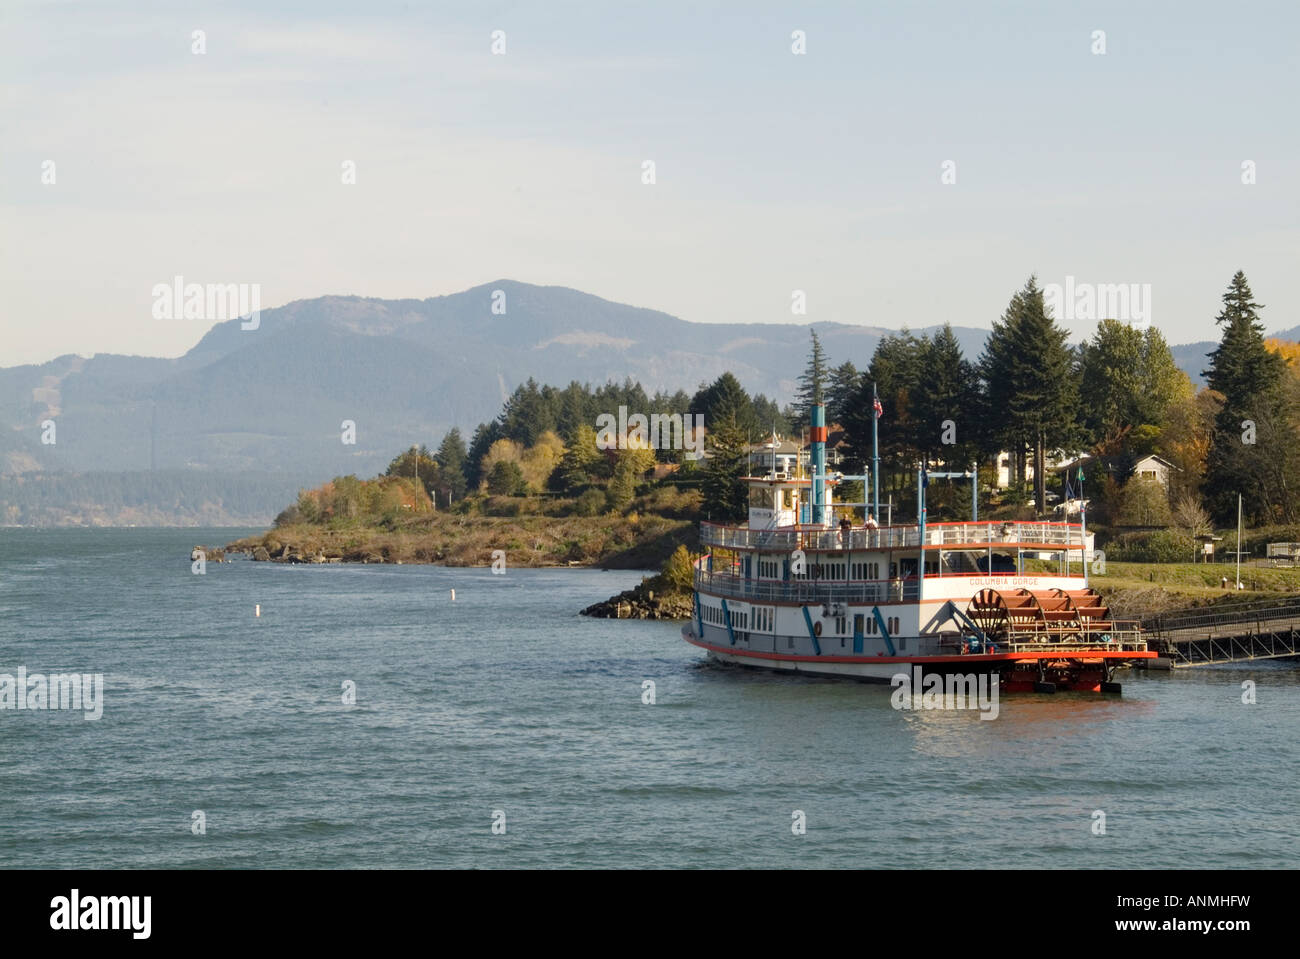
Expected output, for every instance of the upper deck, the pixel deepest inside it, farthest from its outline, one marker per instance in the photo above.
(995, 534)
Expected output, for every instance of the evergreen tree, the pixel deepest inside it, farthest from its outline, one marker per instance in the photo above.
(947, 392)
(484, 436)
(812, 382)
(529, 413)
(416, 463)
(582, 463)
(768, 417)
(723, 495)
(1250, 431)
(451, 459)
(895, 372)
(725, 401)
(1127, 380)
(505, 478)
(1030, 384)
(843, 385)
(574, 408)
(631, 466)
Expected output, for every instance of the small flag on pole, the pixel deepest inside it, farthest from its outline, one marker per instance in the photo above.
(1080, 474)
(880, 410)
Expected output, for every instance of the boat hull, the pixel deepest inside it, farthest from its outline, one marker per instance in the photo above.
(1017, 672)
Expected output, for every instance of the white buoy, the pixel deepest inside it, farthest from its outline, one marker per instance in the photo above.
(257, 610)
(453, 596)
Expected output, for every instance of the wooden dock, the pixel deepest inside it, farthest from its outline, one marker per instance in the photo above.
(1229, 633)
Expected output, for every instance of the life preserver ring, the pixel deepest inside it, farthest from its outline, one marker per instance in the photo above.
(817, 628)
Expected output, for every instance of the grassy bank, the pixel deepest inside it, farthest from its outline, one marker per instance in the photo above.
(1138, 589)
(622, 542)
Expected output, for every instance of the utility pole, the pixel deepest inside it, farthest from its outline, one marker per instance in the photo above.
(1238, 541)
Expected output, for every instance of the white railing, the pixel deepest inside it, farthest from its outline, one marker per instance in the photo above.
(1031, 536)
(805, 591)
(1122, 642)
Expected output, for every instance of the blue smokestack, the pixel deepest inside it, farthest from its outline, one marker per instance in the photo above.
(818, 438)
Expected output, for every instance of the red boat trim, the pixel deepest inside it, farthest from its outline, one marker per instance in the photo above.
(1081, 655)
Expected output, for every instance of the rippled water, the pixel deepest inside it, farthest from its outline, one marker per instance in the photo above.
(507, 700)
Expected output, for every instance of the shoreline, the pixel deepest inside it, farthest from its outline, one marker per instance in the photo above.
(457, 540)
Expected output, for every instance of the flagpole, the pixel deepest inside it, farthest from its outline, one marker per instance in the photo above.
(920, 523)
(1083, 528)
(875, 454)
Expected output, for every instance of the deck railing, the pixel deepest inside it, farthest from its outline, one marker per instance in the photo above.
(805, 591)
(1122, 642)
(1030, 536)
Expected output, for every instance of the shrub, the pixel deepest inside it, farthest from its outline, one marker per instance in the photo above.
(503, 506)
(291, 516)
(1160, 546)
(590, 503)
(679, 573)
(505, 478)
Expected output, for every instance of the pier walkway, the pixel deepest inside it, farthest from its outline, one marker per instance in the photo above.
(1229, 633)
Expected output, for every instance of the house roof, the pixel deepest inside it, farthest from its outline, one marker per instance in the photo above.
(1152, 457)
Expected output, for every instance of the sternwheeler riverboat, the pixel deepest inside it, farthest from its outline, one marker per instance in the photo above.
(795, 590)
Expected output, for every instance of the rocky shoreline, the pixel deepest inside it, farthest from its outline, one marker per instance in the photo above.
(642, 602)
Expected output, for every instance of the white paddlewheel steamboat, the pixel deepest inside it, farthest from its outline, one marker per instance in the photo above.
(791, 590)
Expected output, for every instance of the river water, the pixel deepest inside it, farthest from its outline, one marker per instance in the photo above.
(504, 706)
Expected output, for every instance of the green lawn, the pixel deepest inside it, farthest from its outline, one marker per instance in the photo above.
(1199, 577)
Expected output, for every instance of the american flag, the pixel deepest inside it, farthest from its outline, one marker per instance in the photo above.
(880, 410)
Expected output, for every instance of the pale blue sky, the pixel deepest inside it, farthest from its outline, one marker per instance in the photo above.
(775, 172)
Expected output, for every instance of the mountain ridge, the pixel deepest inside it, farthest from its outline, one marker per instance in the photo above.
(405, 370)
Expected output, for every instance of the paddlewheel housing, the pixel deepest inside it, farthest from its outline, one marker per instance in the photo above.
(1043, 616)
(1059, 638)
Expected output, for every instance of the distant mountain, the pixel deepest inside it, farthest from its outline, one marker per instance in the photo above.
(271, 401)
(405, 371)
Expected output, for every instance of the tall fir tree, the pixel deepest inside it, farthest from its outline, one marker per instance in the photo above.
(947, 402)
(1030, 384)
(812, 382)
(843, 385)
(451, 457)
(1250, 430)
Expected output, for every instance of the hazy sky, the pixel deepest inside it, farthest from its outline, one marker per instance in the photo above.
(775, 171)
